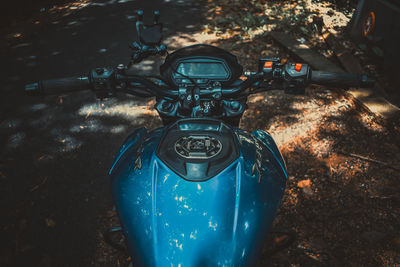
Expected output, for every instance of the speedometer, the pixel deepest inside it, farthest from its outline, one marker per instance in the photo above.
(200, 68)
(202, 65)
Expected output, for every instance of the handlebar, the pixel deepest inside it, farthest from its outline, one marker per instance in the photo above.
(341, 79)
(104, 83)
(58, 86)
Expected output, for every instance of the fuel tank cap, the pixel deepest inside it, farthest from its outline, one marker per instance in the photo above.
(198, 147)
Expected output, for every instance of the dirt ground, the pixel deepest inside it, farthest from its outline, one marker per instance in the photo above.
(343, 161)
(341, 200)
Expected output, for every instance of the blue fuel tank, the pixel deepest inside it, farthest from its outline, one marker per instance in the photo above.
(197, 193)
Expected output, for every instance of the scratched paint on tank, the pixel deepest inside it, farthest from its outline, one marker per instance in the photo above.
(172, 221)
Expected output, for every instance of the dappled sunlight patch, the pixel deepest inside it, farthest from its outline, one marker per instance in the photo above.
(91, 125)
(247, 20)
(15, 140)
(290, 118)
(37, 107)
(308, 121)
(118, 129)
(179, 40)
(63, 142)
(147, 66)
(94, 125)
(340, 180)
(68, 143)
(70, 7)
(255, 98)
(66, 9)
(55, 53)
(333, 18)
(130, 17)
(321, 148)
(369, 121)
(22, 45)
(130, 111)
(14, 35)
(74, 23)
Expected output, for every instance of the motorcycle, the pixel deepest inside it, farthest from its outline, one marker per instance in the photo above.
(198, 191)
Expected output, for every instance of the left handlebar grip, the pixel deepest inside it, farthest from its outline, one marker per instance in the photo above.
(58, 86)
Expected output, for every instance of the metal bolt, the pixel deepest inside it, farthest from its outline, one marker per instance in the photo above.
(217, 96)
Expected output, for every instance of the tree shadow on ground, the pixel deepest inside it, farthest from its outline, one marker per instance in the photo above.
(55, 156)
(340, 206)
(52, 205)
(56, 206)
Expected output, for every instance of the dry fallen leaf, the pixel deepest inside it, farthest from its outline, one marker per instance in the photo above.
(256, 99)
(279, 239)
(50, 222)
(304, 183)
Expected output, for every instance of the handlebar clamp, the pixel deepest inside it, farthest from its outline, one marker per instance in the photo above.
(269, 67)
(296, 77)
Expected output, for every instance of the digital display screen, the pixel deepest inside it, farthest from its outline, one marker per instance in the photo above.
(210, 70)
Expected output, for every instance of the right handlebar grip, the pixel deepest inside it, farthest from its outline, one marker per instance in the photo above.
(336, 79)
(58, 86)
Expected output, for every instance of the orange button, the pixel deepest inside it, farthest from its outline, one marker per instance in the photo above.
(268, 64)
(298, 67)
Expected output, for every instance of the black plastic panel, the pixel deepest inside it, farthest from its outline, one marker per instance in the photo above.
(213, 148)
(198, 52)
